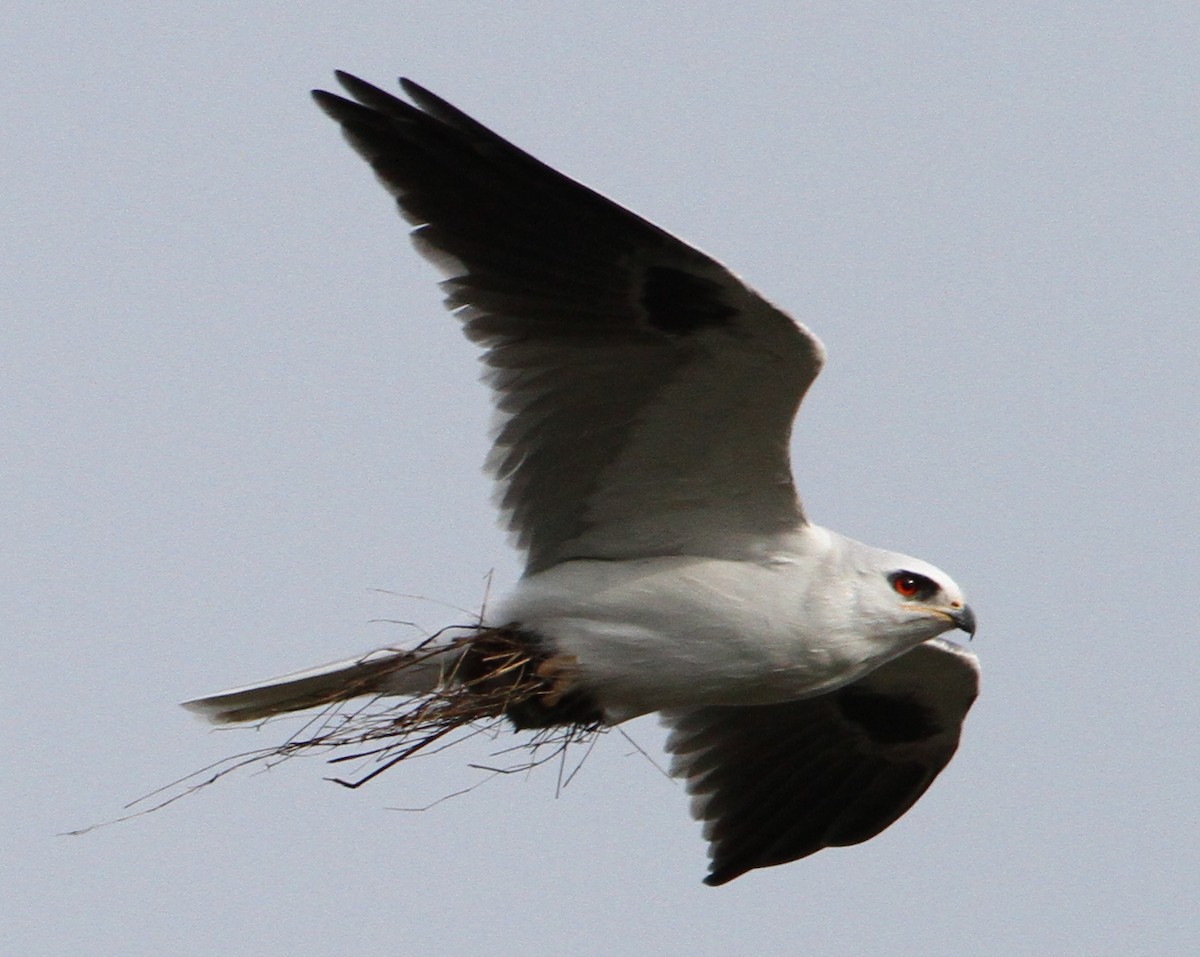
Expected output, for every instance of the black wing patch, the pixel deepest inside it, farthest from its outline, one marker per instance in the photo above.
(886, 719)
(681, 303)
(775, 783)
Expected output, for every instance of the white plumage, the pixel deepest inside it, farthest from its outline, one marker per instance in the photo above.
(646, 397)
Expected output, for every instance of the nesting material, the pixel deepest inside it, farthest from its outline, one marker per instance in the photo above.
(501, 675)
(499, 679)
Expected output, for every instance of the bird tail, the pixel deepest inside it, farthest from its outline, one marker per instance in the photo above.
(384, 672)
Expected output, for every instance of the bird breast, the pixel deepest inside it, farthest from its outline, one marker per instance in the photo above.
(657, 633)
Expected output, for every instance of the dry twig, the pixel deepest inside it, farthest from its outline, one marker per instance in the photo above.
(500, 681)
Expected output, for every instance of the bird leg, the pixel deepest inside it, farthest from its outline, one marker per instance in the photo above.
(560, 673)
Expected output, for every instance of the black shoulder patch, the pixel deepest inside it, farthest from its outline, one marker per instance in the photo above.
(681, 303)
(887, 719)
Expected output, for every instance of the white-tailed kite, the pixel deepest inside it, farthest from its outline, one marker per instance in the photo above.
(645, 399)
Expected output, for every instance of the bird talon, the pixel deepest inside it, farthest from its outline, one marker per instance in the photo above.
(559, 672)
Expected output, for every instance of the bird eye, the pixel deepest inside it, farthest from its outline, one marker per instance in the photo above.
(912, 585)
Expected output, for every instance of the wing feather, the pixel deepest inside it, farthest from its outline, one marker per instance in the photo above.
(645, 395)
(774, 783)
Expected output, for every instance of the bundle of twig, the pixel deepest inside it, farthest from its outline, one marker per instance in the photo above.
(497, 675)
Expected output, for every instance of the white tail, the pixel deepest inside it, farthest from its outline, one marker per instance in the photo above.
(387, 672)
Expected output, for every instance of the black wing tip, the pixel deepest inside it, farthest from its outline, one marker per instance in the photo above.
(356, 86)
(739, 864)
(416, 91)
(326, 100)
(353, 84)
(330, 102)
(364, 105)
(350, 83)
(367, 96)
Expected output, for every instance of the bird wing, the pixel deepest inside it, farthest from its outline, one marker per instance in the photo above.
(774, 783)
(645, 394)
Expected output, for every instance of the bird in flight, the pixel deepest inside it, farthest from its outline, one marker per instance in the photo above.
(645, 398)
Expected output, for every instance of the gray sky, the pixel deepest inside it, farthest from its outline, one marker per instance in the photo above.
(233, 407)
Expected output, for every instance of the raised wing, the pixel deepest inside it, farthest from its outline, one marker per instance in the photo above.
(645, 394)
(774, 783)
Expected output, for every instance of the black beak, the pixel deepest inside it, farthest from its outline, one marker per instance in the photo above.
(964, 620)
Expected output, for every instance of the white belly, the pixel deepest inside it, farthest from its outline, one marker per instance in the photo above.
(658, 633)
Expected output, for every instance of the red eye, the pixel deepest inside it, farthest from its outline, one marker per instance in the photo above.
(912, 585)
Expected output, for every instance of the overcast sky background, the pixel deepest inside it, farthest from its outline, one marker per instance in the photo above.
(233, 409)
